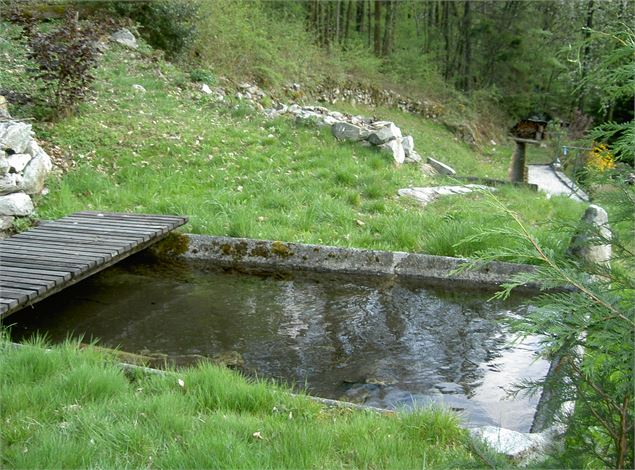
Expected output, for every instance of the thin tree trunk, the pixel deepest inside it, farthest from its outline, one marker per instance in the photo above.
(359, 15)
(445, 28)
(377, 25)
(349, 17)
(338, 15)
(467, 50)
(369, 21)
(386, 47)
(586, 52)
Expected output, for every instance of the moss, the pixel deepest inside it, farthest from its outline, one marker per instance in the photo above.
(281, 249)
(226, 249)
(260, 250)
(173, 244)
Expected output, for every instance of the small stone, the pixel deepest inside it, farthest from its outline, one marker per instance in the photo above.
(16, 204)
(346, 131)
(413, 157)
(125, 37)
(385, 134)
(138, 88)
(206, 89)
(18, 161)
(408, 144)
(15, 136)
(441, 167)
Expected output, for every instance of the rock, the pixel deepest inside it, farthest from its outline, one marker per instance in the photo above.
(125, 37)
(18, 161)
(413, 157)
(206, 89)
(5, 222)
(16, 204)
(295, 109)
(231, 359)
(441, 167)
(14, 136)
(517, 445)
(36, 171)
(138, 88)
(346, 131)
(589, 244)
(10, 183)
(4, 108)
(385, 134)
(395, 148)
(427, 195)
(4, 163)
(408, 144)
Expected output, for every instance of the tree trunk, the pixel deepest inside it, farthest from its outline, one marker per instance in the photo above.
(377, 25)
(586, 53)
(369, 21)
(467, 49)
(388, 23)
(349, 17)
(338, 15)
(445, 28)
(359, 15)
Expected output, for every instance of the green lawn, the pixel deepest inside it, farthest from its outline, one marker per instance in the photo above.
(71, 408)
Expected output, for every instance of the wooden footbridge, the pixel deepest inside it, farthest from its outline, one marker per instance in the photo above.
(55, 255)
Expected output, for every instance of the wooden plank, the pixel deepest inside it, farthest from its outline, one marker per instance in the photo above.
(8, 265)
(52, 253)
(80, 244)
(157, 217)
(33, 237)
(71, 238)
(47, 255)
(52, 264)
(39, 288)
(11, 293)
(62, 228)
(118, 222)
(105, 226)
(8, 302)
(31, 278)
(47, 272)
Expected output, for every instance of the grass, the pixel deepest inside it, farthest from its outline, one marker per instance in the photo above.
(172, 150)
(76, 409)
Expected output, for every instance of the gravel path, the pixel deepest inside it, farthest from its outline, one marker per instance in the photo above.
(554, 183)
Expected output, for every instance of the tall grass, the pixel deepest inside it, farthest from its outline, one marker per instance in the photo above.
(75, 408)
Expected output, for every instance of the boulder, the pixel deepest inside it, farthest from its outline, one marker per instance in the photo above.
(18, 161)
(385, 134)
(413, 157)
(125, 37)
(14, 136)
(10, 183)
(16, 204)
(589, 244)
(36, 172)
(520, 446)
(441, 167)
(426, 195)
(395, 148)
(346, 131)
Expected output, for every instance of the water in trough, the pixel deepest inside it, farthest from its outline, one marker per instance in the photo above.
(379, 342)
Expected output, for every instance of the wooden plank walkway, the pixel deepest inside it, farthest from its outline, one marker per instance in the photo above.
(55, 255)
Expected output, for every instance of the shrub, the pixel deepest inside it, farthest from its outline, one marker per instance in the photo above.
(65, 59)
(165, 24)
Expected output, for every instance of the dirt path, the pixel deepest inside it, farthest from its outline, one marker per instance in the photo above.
(555, 183)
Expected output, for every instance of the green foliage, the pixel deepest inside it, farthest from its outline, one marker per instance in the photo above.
(165, 24)
(585, 318)
(202, 76)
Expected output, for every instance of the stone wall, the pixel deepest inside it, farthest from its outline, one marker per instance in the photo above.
(24, 167)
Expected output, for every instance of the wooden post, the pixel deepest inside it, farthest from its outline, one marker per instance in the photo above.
(517, 165)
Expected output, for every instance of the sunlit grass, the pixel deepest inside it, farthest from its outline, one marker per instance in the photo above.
(76, 409)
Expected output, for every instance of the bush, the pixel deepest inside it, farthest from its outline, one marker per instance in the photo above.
(65, 59)
(165, 24)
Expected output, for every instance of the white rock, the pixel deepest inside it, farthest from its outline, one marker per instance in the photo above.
(514, 444)
(125, 37)
(429, 194)
(16, 204)
(14, 136)
(408, 144)
(441, 167)
(36, 172)
(4, 107)
(4, 163)
(18, 161)
(413, 157)
(5, 222)
(206, 89)
(10, 183)
(589, 243)
(385, 134)
(395, 148)
(138, 88)
(346, 131)
(295, 109)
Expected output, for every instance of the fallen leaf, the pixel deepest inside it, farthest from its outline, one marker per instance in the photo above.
(257, 435)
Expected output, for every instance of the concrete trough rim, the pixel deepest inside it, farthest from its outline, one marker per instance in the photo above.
(270, 255)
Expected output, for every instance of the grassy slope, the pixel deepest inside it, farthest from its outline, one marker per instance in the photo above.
(76, 409)
(234, 173)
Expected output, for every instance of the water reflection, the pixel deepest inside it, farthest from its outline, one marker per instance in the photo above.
(376, 342)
